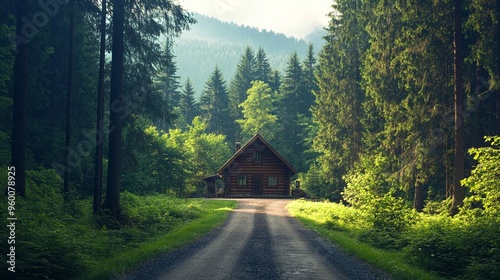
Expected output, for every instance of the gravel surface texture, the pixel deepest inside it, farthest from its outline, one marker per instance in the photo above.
(259, 240)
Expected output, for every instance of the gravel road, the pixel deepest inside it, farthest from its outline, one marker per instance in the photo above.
(259, 240)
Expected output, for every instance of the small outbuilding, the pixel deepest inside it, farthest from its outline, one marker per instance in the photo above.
(256, 169)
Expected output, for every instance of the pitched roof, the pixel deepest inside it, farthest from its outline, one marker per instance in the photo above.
(250, 142)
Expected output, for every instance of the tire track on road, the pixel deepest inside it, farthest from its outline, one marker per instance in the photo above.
(218, 259)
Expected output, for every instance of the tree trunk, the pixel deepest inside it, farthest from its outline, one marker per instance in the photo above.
(100, 116)
(116, 115)
(18, 156)
(69, 93)
(418, 201)
(459, 152)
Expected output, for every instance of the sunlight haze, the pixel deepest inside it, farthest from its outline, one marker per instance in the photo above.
(297, 18)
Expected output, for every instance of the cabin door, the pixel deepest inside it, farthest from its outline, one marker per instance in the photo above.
(257, 184)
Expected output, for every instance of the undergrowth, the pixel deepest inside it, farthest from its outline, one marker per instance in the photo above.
(57, 240)
(459, 247)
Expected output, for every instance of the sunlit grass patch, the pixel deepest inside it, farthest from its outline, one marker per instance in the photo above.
(213, 214)
(343, 226)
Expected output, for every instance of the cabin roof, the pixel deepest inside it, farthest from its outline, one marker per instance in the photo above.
(248, 144)
(211, 178)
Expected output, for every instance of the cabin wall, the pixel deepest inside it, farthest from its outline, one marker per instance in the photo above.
(270, 165)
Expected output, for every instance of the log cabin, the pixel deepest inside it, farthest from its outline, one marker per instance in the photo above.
(256, 169)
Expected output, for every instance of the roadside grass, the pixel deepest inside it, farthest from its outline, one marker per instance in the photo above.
(338, 224)
(58, 240)
(214, 214)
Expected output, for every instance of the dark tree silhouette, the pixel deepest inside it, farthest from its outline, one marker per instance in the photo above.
(459, 151)
(100, 116)
(112, 201)
(69, 93)
(18, 159)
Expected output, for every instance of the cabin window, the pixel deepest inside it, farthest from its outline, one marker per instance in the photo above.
(242, 180)
(272, 181)
(257, 157)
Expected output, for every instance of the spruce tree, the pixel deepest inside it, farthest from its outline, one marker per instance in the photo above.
(275, 81)
(309, 69)
(214, 104)
(112, 201)
(189, 105)
(241, 82)
(18, 158)
(167, 86)
(292, 104)
(263, 69)
(339, 96)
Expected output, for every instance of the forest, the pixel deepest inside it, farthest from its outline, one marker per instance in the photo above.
(225, 42)
(396, 117)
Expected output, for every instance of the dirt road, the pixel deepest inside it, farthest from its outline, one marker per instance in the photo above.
(258, 241)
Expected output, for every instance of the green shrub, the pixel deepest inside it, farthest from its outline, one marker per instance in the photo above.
(437, 243)
(389, 218)
(57, 240)
(484, 181)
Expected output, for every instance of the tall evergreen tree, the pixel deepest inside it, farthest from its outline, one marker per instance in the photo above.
(292, 104)
(18, 158)
(275, 81)
(214, 104)
(483, 29)
(145, 22)
(339, 97)
(189, 105)
(459, 132)
(309, 69)
(246, 72)
(167, 85)
(263, 69)
(112, 201)
(402, 106)
(69, 93)
(97, 196)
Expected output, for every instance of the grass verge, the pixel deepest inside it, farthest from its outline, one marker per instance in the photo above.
(214, 215)
(311, 215)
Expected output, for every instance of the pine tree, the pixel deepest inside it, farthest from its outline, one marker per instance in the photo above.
(131, 75)
(69, 93)
(263, 69)
(18, 158)
(214, 104)
(292, 104)
(241, 82)
(339, 96)
(97, 201)
(112, 201)
(309, 69)
(275, 81)
(459, 150)
(402, 107)
(167, 84)
(188, 104)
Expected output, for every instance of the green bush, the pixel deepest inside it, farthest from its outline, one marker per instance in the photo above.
(389, 218)
(437, 243)
(57, 240)
(456, 246)
(484, 181)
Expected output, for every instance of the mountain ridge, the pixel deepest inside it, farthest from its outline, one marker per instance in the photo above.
(212, 42)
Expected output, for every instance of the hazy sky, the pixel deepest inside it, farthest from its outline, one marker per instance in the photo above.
(292, 17)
